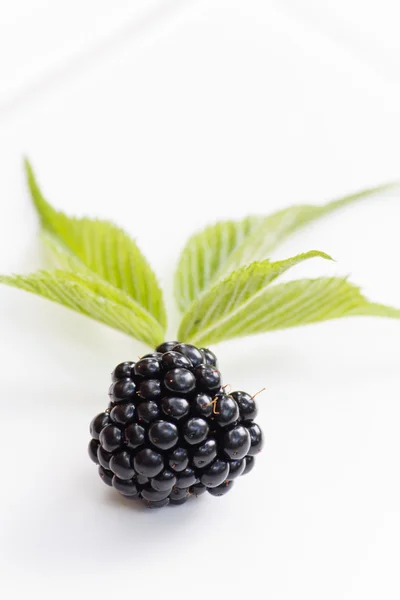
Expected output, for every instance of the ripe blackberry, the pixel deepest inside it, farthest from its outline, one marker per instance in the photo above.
(171, 431)
(122, 390)
(180, 381)
(123, 414)
(150, 389)
(222, 489)
(122, 371)
(92, 449)
(103, 457)
(147, 411)
(191, 352)
(126, 487)
(111, 438)
(135, 436)
(209, 357)
(164, 481)
(178, 459)
(237, 442)
(148, 368)
(98, 424)
(176, 408)
(121, 465)
(236, 468)
(166, 347)
(204, 454)
(163, 434)
(195, 431)
(247, 405)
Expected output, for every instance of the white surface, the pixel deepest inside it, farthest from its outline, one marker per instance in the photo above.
(167, 120)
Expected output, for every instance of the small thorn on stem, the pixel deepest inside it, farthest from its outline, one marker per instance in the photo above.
(213, 403)
(259, 392)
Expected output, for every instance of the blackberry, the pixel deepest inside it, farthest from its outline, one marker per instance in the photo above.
(121, 465)
(159, 504)
(186, 478)
(209, 357)
(202, 405)
(174, 360)
(147, 411)
(181, 381)
(98, 424)
(111, 438)
(122, 390)
(158, 355)
(256, 438)
(166, 347)
(208, 378)
(164, 481)
(215, 474)
(195, 431)
(227, 411)
(179, 495)
(123, 414)
(171, 431)
(205, 453)
(237, 442)
(250, 462)
(135, 436)
(150, 389)
(222, 489)
(148, 462)
(178, 459)
(93, 447)
(163, 434)
(149, 367)
(122, 371)
(247, 405)
(236, 468)
(142, 480)
(149, 493)
(126, 487)
(106, 476)
(191, 352)
(198, 489)
(176, 408)
(103, 457)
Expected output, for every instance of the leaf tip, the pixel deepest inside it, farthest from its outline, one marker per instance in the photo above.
(327, 257)
(318, 254)
(27, 167)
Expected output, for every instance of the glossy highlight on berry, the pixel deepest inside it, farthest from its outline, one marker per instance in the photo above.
(180, 381)
(247, 405)
(122, 371)
(122, 390)
(174, 407)
(148, 463)
(148, 368)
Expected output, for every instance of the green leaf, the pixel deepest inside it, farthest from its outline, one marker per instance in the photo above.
(256, 308)
(61, 258)
(102, 248)
(230, 300)
(93, 298)
(221, 248)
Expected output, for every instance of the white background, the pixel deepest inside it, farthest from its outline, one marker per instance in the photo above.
(165, 116)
